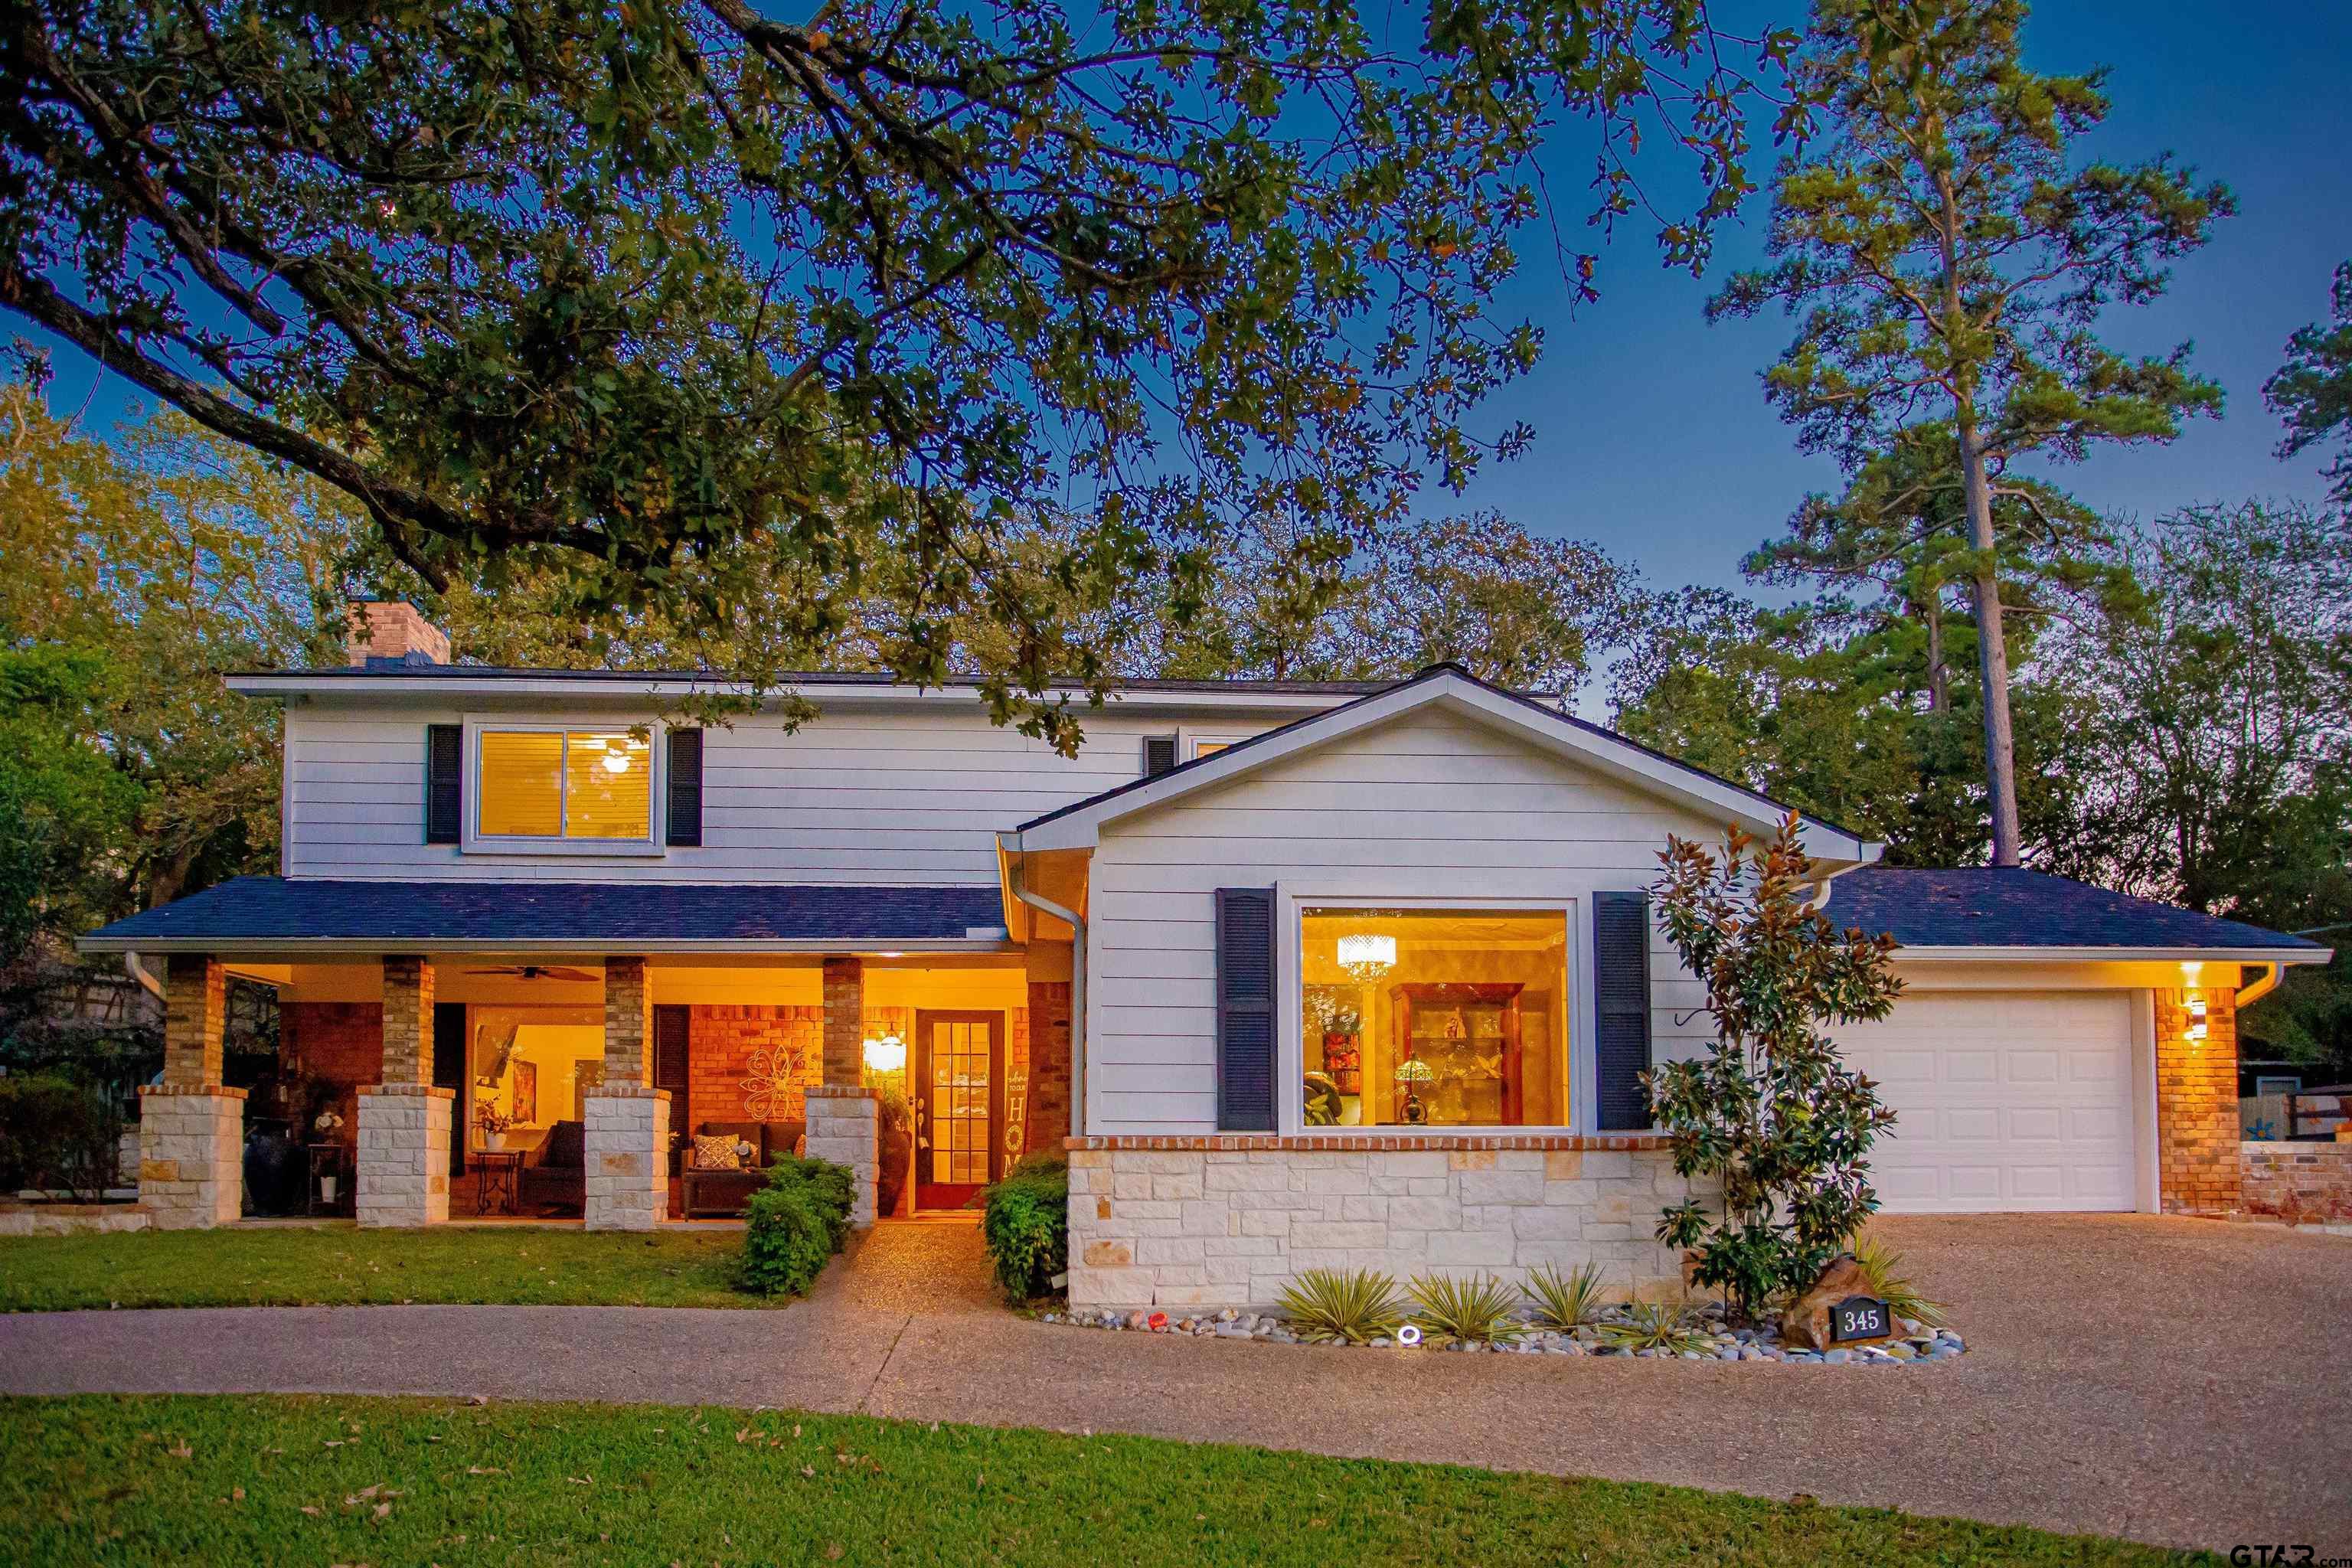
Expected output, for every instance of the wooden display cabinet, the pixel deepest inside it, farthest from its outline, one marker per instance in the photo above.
(1482, 1061)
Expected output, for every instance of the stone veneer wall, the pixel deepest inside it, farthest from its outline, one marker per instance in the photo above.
(403, 1157)
(2302, 1183)
(2198, 1136)
(626, 1138)
(842, 1128)
(1231, 1220)
(190, 1155)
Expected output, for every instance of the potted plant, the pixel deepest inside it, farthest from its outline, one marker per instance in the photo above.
(326, 1124)
(493, 1123)
(898, 1148)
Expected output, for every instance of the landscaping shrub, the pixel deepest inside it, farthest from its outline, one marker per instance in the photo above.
(1027, 1225)
(794, 1224)
(1465, 1311)
(1333, 1306)
(1567, 1301)
(56, 1133)
(1654, 1326)
(1882, 1265)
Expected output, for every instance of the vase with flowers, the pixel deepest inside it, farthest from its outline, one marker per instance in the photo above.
(493, 1124)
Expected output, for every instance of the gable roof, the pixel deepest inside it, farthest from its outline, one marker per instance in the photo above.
(1983, 911)
(334, 915)
(1449, 685)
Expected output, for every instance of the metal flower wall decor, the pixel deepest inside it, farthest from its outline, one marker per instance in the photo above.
(772, 1091)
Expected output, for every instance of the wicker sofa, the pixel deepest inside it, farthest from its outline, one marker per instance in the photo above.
(707, 1193)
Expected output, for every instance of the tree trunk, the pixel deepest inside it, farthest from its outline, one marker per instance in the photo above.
(1939, 683)
(1992, 652)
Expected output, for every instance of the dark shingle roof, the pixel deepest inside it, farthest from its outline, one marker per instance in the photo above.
(264, 908)
(2013, 907)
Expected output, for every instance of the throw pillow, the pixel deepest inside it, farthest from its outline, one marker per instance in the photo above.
(716, 1152)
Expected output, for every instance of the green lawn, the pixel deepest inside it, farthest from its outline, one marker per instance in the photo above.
(343, 1265)
(267, 1479)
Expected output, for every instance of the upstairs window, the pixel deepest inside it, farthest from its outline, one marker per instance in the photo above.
(585, 785)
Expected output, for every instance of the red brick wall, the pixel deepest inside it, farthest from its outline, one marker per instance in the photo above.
(721, 1041)
(2302, 1183)
(1049, 1063)
(2197, 1105)
(339, 1043)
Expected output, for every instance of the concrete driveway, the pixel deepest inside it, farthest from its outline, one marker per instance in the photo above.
(2180, 1382)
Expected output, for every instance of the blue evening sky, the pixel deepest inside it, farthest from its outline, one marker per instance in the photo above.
(1653, 436)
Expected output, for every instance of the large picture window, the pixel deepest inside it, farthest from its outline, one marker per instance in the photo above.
(1434, 1017)
(565, 784)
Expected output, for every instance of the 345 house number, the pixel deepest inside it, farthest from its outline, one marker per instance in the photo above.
(1861, 1318)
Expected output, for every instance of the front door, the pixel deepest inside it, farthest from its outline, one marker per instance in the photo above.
(959, 1085)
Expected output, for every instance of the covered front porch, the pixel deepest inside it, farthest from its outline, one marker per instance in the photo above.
(608, 1090)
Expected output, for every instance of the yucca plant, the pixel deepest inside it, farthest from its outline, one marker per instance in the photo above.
(1467, 1311)
(1882, 1265)
(1652, 1326)
(1342, 1306)
(1567, 1301)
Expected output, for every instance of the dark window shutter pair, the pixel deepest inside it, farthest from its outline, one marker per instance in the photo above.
(1158, 754)
(685, 825)
(1621, 977)
(1245, 1009)
(444, 783)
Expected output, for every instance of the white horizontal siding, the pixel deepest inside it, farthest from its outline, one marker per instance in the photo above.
(1429, 806)
(850, 798)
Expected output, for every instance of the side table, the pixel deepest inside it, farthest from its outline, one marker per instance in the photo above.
(331, 1184)
(499, 1180)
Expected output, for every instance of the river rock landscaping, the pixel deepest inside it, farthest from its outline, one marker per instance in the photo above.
(1711, 1337)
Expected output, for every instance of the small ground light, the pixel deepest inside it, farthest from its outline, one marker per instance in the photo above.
(1408, 1336)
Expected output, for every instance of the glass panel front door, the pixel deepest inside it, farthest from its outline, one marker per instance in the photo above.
(959, 1075)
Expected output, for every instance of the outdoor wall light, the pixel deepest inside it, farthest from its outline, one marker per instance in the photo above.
(2197, 1029)
(887, 1054)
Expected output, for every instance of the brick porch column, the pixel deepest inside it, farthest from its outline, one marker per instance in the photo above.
(405, 1121)
(845, 1128)
(1049, 1063)
(845, 1021)
(2198, 1163)
(626, 1137)
(192, 1126)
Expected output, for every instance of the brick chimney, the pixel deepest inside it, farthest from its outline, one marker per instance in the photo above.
(392, 632)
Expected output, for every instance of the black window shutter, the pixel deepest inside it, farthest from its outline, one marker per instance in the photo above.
(685, 787)
(1245, 1009)
(1620, 975)
(1158, 754)
(444, 783)
(451, 1070)
(672, 1028)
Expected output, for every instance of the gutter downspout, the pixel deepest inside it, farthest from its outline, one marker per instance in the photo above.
(1078, 924)
(139, 971)
(2262, 987)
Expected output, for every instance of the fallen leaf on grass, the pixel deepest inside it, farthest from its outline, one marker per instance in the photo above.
(183, 1451)
(582, 1480)
(384, 1510)
(484, 1470)
(314, 1512)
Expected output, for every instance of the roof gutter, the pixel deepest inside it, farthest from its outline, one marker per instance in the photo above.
(1017, 872)
(2262, 987)
(988, 940)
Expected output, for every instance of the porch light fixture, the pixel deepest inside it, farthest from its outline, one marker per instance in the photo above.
(2197, 1020)
(1367, 956)
(886, 1053)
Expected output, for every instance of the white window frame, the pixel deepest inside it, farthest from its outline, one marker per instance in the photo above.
(2277, 1083)
(473, 841)
(1290, 1050)
(1189, 741)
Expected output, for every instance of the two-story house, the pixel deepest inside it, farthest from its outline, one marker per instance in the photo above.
(1300, 973)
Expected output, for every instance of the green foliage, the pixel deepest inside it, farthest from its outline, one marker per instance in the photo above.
(1568, 1300)
(57, 1134)
(1772, 1112)
(1481, 1312)
(1025, 1224)
(674, 312)
(1653, 1326)
(794, 1224)
(2313, 390)
(1343, 1307)
(1949, 260)
(1882, 1266)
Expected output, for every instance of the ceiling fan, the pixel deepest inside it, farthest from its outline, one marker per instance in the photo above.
(536, 972)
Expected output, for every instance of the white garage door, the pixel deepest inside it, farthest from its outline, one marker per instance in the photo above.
(2004, 1101)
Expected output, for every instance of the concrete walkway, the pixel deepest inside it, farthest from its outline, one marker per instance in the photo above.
(2180, 1382)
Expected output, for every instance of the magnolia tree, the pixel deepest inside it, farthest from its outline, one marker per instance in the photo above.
(1772, 1112)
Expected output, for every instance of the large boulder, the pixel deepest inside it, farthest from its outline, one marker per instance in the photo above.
(1807, 1321)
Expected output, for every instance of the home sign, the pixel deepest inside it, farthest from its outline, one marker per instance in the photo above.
(1861, 1318)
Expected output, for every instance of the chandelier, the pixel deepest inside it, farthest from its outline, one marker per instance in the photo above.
(1368, 956)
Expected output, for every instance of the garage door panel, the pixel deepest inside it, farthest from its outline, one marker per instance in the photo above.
(2004, 1101)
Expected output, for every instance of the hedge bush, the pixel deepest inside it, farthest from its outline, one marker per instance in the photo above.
(57, 1135)
(1026, 1225)
(794, 1224)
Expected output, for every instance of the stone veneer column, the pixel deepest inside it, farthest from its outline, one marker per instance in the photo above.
(844, 1022)
(2197, 1161)
(626, 1138)
(844, 1127)
(192, 1126)
(404, 1122)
